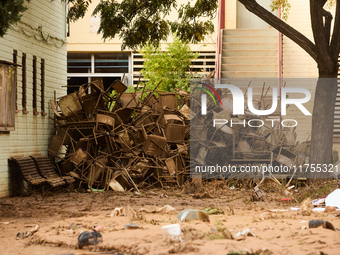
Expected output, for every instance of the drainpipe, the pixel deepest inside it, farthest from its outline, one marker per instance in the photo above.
(220, 26)
(279, 64)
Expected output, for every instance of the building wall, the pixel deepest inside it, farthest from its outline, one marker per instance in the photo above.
(84, 38)
(296, 62)
(41, 33)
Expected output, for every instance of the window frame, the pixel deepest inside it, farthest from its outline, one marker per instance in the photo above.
(6, 88)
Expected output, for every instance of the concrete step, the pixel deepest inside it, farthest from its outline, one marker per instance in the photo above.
(247, 68)
(250, 38)
(249, 53)
(250, 60)
(249, 46)
(245, 74)
(233, 32)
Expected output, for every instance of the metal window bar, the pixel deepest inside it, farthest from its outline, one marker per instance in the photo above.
(35, 112)
(15, 61)
(42, 86)
(24, 95)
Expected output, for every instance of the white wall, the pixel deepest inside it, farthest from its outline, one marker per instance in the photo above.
(32, 132)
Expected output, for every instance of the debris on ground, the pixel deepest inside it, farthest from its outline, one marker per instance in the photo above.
(318, 209)
(172, 232)
(119, 211)
(318, 223)
(113, 139)
(89, 238)
(258, 144)
(210, 211)
(131, 226)
(307, 205)
(333, 199)
(98, 228)
(241, 235)
(125, 141)
(166, 209)
(192, 214)
(319, 202)
(22, 235)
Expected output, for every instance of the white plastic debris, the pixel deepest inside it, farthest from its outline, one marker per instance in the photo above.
(318, 209)
(245, 232)
(333, 199)
(318, 201)
(172, 232)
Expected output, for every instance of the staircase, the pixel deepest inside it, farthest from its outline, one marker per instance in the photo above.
(249, 53)
(336, 130)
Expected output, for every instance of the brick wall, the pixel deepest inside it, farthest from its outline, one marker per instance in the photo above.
(41, 33)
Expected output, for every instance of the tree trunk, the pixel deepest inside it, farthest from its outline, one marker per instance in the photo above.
(325, 52)
(323, 118)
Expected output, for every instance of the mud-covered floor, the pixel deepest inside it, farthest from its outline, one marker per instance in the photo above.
(64, 214)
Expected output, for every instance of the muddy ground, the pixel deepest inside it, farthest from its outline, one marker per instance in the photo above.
(62, 215)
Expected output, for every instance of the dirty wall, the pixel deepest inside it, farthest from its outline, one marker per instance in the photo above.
(32, 132)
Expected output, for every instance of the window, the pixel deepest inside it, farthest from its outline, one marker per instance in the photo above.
(42, 86)
(7, 95)
(35, 112)
(78, 63)
(85, 67)
(203, 65)
(111, 63)
(97, 63)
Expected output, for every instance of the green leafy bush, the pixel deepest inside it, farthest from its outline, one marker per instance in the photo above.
(171, 66)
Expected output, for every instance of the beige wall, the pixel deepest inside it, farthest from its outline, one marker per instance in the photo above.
(230, 14)
(81, 38)
(303, 129)
(296, 62)
(32, 132)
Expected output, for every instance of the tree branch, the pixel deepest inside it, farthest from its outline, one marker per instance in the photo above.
(335, 42)
(284, 28)
(319, 32)
(328, 21)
